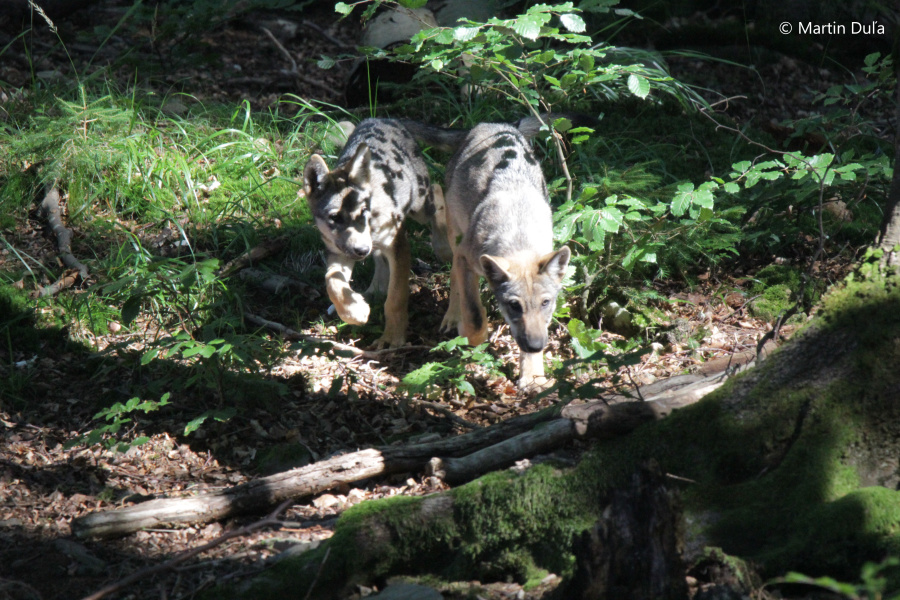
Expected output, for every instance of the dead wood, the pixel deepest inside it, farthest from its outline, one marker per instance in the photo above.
(296, 483)
(68, 279)
(255, 254)
(634, 550)
(51, 211)
(542, 439)
(272, 520)
(292, 334)
(462, 458)
(596, 419)
(274, 283)
(295, 71)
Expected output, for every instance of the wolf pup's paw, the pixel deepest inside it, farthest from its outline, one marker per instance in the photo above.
(533, 385)
(389, 340)
(449, 323)
(475, 336)
(355, 313)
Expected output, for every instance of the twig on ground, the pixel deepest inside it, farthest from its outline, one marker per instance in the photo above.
(50, 209)
(269, 521)
(274, 283)
(281, 48)
(296, 335)
(294, 71)
(440, 408)
(66, 281)
(326, 35)
(257, 253)
(318, 573)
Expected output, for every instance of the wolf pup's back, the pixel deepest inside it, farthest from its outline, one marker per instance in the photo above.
(499, 194)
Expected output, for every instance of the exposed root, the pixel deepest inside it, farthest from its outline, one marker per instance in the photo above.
(50, 209)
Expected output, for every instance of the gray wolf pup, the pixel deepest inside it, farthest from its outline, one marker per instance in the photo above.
(500, 226)
(359, 208)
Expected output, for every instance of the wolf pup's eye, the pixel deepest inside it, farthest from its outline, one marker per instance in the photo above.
(545, 303)
(515, 307)
(334, 218)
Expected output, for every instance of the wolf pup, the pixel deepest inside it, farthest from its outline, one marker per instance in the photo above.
(500, 226)
(359, 208)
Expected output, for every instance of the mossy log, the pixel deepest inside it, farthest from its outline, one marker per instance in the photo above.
(790, 466)
(480, 451)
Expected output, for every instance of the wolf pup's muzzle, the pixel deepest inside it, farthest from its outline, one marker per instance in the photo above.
(532, 343)
(359, 251)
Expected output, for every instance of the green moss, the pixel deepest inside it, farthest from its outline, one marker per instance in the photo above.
(838, 537)
(775, 455)
(777, 287)
(503, 526)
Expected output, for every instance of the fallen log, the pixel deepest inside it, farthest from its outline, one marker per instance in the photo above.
(463, 457)
(596, 419)
(261, 494)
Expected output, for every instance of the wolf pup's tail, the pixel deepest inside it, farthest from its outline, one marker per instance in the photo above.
(531, 126)
(441, 138)
(448, 140)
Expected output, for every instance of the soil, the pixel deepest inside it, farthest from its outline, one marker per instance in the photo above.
(44, 484)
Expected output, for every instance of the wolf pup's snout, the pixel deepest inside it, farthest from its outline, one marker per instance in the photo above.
(532, 343)
(360, 251)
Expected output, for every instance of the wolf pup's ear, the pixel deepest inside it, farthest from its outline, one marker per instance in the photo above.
(555, 263)
(495, 269)
(313, 174)
(361, 165)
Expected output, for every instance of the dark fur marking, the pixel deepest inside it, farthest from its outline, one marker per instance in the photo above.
(475, 161)
(505, 141)
(474, 308)
(351, 200)
(506, 157)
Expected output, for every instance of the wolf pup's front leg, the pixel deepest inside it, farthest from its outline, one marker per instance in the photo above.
(396, 317)
(351, 307)
(531, 372)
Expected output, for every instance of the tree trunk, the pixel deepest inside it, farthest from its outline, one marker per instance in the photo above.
(634, 551)
(890, 229)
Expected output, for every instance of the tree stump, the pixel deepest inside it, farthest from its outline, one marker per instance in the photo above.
(634, 550)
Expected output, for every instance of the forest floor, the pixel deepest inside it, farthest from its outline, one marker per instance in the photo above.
(43, 485)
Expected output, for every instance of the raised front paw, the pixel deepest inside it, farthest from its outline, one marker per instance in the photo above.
(356, 312)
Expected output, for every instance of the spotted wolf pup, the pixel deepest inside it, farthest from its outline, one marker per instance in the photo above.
(360, 207)
(500, 226)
